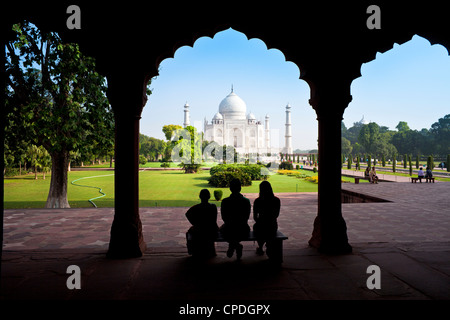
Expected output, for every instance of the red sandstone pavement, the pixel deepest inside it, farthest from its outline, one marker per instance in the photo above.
(408, 238)
(418, 213)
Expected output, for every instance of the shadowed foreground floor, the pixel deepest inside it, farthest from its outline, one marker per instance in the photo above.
(409, 242)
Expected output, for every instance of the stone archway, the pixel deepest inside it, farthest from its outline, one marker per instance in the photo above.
(327, 43)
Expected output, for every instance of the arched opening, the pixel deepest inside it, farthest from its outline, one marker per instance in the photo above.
(398, 115)
(202, 75)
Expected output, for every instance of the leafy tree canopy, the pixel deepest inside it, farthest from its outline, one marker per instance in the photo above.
(55, 99)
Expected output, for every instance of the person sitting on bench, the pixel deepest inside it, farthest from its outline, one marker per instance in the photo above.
(203, 217)
(266, 210)
(373, 176)
(367, 173)
(420, 175)
(428, 174)
(235, 212)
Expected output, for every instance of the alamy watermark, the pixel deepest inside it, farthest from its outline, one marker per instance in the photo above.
(74, 280)
(374, 280)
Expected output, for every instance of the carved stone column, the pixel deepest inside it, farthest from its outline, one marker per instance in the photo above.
(330, 230)
(127, 97)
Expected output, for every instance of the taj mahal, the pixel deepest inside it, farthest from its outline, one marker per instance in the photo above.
(233, 126)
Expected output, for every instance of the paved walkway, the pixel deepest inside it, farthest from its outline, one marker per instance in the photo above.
(409, 238)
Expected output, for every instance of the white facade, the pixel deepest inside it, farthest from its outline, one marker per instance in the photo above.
(232, 126)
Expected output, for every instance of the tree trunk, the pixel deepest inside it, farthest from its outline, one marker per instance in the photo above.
(57, 195)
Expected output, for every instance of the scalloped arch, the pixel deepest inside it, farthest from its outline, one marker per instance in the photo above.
(211, 33)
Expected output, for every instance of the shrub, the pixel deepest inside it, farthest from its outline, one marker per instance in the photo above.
(142, 159)
(286, 165)
(410, 166)
(313, 179)
(393, 163)
(218, 195)
(190, 167)
(222, 179)
(292, 173)
(430, 162)
(165, 165)
(221, 175)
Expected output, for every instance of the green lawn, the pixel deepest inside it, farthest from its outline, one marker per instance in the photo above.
(157, 188)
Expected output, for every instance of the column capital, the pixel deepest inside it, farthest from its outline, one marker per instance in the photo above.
(127, 92)
(330, 101)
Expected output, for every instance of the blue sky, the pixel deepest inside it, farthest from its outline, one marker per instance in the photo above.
(409, 83)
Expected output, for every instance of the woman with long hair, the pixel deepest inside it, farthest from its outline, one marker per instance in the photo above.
(266, 210)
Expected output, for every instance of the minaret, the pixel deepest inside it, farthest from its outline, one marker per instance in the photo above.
(288, 135)
(187, 121)
(267, 134)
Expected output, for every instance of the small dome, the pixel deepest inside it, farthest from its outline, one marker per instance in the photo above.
(233, 107)
(251, 116)
(218, 116)
(363, 121)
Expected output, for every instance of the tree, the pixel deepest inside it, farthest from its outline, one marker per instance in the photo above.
(150, 147)
(369, 134)
(170, 129)
(346, 147)
(44, 162)
(430, 163)
(187, 149)
(410, 166)
(394, 162)
(440, 131)
(402, 126)
(54, 88)
(34, 152)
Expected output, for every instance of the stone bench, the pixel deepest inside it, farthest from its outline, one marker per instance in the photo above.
(361, 178)
(414, 180)
(276, 243)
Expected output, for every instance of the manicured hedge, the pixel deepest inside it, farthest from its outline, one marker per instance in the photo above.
(221, 175)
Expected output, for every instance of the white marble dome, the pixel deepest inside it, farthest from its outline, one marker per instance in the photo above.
(233, 107)
(218, 116)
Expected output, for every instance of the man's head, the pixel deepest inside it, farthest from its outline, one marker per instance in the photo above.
(235, 185)
(205, 195)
